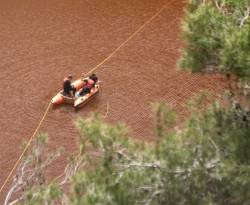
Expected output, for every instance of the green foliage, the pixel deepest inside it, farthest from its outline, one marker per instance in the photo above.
(205, 163)
(42, 195)
(164, 118)
(202, 34)
(115, 175)
(217, 36)
(235, 54)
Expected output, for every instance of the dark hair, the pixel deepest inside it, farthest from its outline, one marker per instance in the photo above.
(85, 80)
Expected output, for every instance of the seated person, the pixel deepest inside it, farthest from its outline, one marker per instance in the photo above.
(67, 87)
(94, 78)
(86, 88)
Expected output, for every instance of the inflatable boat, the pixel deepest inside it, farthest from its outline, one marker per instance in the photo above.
(77, 102)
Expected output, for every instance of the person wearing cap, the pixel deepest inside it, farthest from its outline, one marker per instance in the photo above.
(67, 87)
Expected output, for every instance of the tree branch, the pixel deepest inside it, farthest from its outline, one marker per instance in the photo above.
(245, 17)
(219, 7)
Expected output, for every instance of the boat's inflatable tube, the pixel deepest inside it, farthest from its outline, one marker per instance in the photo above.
(58, 99)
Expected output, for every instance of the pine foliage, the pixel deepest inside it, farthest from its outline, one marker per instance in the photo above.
(207, 162)
(217, 36)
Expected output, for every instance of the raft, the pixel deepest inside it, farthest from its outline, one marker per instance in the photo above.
(77, 102)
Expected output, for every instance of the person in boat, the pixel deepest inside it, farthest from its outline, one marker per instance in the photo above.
(94, 78)
(68, 89)
(88, 84)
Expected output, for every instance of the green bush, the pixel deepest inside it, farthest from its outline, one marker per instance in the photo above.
(216, 35)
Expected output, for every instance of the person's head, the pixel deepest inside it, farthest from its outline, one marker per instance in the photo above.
(85, 81)
(70, 77)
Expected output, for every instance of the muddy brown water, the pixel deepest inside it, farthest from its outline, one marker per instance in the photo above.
(42, 41)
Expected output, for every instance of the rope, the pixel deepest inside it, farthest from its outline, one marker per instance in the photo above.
(130, 37)
(89, 72)
(26, 147)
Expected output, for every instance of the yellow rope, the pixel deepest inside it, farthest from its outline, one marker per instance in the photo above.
(130, 37)
(91, 71)
(26, 147)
